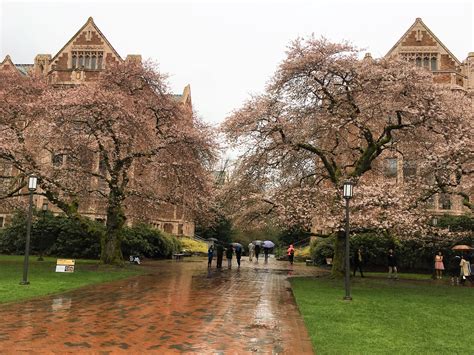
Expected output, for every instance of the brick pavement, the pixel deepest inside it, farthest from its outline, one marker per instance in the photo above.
(179, 307)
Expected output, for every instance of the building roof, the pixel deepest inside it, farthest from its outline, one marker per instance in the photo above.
(24, 69)
(90, 20)
(412, 27)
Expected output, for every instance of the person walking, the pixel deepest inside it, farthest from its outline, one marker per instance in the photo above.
(454, 269)
(257, 251)
(266, 251)
(465, 269)
(439, 265)
(210, 255)
(358, 261)
(220, 255)
(251, 251)
(228, 254)
(291, 254)
(238, 254)
(392, 265)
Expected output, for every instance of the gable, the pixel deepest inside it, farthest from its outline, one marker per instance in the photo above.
(7, 65)
(88, 49)
(420, 41)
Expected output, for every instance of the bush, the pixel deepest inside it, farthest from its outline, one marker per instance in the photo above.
(322, 248)
(69, 238)
(148, 242)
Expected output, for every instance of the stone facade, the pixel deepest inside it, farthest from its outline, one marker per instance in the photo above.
(82, 59)
(421, 47)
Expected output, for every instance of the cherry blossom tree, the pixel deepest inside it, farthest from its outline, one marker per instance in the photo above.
(327, 117)
(122, 142)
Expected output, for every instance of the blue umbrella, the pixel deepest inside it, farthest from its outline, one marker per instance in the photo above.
(268, 244)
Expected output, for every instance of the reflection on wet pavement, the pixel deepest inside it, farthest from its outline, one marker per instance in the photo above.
(177, 307)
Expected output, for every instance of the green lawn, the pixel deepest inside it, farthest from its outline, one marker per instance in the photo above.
(386, 316)
(44, 280)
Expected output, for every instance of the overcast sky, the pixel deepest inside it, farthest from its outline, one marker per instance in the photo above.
(226, 49)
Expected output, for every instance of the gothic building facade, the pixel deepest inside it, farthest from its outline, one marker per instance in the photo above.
(82, 59)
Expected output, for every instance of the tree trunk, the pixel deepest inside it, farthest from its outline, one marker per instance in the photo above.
(111, 251)
(339, 253)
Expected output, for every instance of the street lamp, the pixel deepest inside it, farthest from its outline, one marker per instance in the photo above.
(32, 181)
(347, 194)
(44, 209)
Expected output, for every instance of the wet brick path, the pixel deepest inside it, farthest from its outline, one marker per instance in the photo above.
(179, 307)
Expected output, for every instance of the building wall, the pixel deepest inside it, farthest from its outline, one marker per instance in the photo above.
(82, 59)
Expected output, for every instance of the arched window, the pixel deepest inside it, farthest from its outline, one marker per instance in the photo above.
(88, 62)
(93, 62)
(434, 63)
(74, 61)
(418, 62)
(426, 62)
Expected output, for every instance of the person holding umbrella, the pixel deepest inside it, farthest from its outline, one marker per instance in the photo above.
(251, 251)
(257, 251)
(220, 255)
(267, 245)
(238, 253)
(228, 254)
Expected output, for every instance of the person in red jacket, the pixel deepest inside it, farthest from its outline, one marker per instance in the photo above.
(291, 253)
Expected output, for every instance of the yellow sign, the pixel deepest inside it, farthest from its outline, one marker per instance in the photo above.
(65, 265)
(66, 262)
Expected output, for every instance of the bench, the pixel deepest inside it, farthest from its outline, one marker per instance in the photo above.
(178, 256)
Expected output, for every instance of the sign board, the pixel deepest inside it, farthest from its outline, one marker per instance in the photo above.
(65, 265)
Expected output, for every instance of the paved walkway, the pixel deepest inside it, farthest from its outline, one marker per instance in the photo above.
(178, 307)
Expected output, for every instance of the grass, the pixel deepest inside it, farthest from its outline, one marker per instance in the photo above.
(44, 280)
(386, 316)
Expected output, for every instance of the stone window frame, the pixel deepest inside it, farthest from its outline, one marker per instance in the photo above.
(427, 60)
(87, 59)
(391, 167)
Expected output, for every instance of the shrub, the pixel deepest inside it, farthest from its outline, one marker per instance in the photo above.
(70, 238)
(148, 242)
(322, 248)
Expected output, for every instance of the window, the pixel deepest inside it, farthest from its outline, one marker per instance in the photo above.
(2, 221)
(418, 62)
(87, 59)
(391, 167)
(434, 63)
(180, 229)
(426, 62)
(58, 160)
(444, 201)
(409, 169)
(168, 227)
(101, 220)
(430, 202)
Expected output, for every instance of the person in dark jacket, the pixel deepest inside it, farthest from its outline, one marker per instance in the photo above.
(210, 255)
(257, 251)
(228, 254)
(358, 261)
(220, 255)
(392, 264)
(238, 254)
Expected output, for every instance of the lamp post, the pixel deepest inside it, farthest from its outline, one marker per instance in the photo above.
(32, 181)
(347, 194)
(44, 209)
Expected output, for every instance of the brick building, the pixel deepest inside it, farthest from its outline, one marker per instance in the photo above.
(420, 46)
(82, 59)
